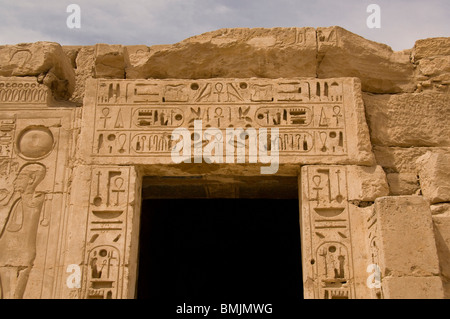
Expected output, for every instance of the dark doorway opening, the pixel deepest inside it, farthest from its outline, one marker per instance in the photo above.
(219, 248)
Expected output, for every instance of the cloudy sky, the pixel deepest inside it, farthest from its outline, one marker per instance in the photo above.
(168, 21)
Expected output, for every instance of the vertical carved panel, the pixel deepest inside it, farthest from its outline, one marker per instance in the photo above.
(106, 234)
(326, 236)
(34, 144)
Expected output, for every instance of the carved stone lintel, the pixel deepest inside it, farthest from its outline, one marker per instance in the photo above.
(319, 120)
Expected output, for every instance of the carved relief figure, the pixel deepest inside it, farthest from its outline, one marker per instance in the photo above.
(18, 235)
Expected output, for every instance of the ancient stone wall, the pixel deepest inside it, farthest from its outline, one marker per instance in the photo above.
(365, 129)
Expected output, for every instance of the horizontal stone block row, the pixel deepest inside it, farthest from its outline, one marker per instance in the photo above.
(264, 53)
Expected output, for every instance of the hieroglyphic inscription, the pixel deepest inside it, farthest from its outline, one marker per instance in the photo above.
(7, 129)
(136, 118)
(23, 91)
(105, 236)
(326, 235)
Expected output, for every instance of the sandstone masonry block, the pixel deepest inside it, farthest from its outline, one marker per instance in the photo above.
(442, 233)
(137, 53)
(240, 52)
(402, 159)
(110, 61)
(407, 243)
(431, 47)
(442, 209)
(72, 51)
(434, 174)
(402, 183)
(432, 58)
(418, 119)
(435, 65)
(381, 70)
(367, 183)
(85, 65)
(44, 59)
(412, 288)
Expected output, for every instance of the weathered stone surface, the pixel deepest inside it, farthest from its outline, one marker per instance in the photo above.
(434, 174)
(137, 53)
(325, 52)
(400, 165)
(442, 233)
(402, 160)
(368, 183)
(412, 288)
(44, 59)
(431, 47)
(98, 61)
(432, 58)
(409, 120)
(402, 183)
(110, 61)
(72, 51)
(85, 69)
(240, 52)
(381, 70)
(409, 250)
(435, 66)
(361, 252)
(442, 209)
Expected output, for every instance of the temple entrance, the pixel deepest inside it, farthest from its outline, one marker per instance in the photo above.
(196, 242)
